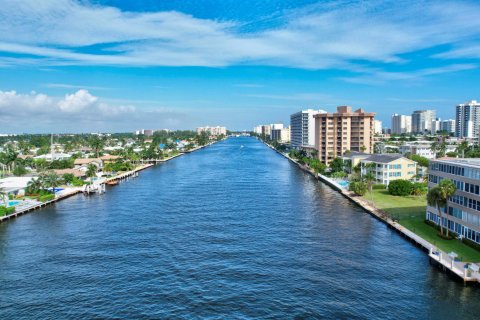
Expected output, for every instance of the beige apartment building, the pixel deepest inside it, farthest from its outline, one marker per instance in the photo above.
(343, 130)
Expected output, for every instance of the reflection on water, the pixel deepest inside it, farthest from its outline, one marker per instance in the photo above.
(224, 232)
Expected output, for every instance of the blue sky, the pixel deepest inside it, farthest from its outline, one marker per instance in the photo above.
(83, 66)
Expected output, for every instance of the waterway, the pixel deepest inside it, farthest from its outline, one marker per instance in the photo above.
(231, 231)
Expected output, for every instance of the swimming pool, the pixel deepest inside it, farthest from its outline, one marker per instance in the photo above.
(12, 203)
(344, 184)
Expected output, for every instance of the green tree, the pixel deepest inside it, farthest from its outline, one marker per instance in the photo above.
(400, 187)
(438, 197)
(52, 180)
(91, 170)
(336, 165)
(96, 143)
(19, 171)
(461, 148)
(422, 161)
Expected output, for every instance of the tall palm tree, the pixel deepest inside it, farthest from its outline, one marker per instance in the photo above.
(52, 180)
(96, 143)
(462, 147)
(438, 197)
(34, 185)
(91, 170)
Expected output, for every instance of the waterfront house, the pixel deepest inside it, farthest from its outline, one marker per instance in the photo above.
(462, 213)
(82, 164)
(76, 173)
(389, 167)
(110, 158)
(54, 156)
(14, 185)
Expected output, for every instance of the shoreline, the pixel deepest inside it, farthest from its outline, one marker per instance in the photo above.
(436, 256)
(76, 190)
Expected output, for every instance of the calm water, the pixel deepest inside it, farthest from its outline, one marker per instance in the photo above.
(225, 232)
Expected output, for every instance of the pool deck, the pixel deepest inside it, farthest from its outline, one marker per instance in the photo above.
(438, 257)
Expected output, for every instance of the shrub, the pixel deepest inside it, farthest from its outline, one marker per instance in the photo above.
(420, 189)
(339, 174)
(471, 244)
(358, 187)
(19, 171)
(4, 211)
(46, 197)
(400, 188)
(77, 182)
(379, 187)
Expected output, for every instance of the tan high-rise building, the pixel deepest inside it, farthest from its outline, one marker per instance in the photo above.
(343, 130)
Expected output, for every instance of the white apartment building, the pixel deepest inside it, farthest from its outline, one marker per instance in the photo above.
(401, 124)
(281, 135)
(462, 212)
(468, 120)
(377, 127)
(213, 131)
(257, 130)
(436, 125)
(423, 150)
(302, 128)
(422, 120)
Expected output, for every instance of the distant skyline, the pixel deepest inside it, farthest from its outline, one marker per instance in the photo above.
(88, 66)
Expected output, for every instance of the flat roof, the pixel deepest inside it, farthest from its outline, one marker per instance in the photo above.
(468, 162)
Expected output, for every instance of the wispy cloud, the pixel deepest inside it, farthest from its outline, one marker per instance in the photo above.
(73, 86)
(327, 35)
(379, 77)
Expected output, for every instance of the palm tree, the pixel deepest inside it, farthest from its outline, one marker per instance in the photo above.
(462, 147)
(96, 143)
(52, 180)
(438, 197)
(34, 185)
(91, 170)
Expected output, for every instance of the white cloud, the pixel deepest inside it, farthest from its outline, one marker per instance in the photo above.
(77, 102)
(327, 35)
(73, 113)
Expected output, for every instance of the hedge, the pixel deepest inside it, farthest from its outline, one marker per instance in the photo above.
(46, 197)
(4, 211)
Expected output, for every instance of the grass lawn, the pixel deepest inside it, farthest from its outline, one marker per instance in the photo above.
(410, 212)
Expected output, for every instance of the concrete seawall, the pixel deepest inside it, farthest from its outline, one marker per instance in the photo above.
(438, 257)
